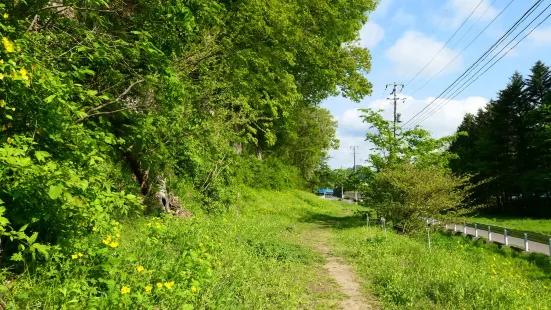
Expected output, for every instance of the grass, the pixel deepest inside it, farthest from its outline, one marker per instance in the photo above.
(249, 258)
(540, 226)
(257, 257)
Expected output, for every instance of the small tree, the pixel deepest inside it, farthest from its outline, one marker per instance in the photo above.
(406, 194)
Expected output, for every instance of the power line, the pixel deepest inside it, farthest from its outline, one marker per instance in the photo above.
(472, 79)
(456, 31)
(475, 79)
(468, 45)
(481, 58)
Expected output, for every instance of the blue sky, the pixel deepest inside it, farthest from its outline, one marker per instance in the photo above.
(404, 35)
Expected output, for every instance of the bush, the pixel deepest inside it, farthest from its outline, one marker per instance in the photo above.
(406, 194)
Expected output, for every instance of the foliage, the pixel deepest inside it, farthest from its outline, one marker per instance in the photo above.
(507, 145)
(409, 177)
(406, 194)
(413, 146)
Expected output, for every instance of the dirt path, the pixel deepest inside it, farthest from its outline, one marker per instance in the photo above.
(341, 272)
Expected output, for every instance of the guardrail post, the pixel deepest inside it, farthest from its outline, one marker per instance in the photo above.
(549, 246)
(454, 227)
(506, 239)
(446, 226)
(476, 230)
(489, 233)
(465, 228)
(526, 248)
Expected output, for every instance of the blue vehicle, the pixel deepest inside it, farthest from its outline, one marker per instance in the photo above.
(325, 192)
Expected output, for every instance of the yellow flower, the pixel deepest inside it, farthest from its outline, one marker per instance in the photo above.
(518, 291)
(139, 268)
(494, 271)
(115, 228)
(125, 290)
(193, 289)
(159, 285)
(6, 15)
(93, 228)
(80, 254)
(148, 224)
(148, 288)
(10, 140)
(24, 75)
(1, 76)
(545, 287)
(2, 103)
(169, 285)
(116, 223)
(150, 272)
(7, 44)
(118, 235)
(108, 238)
(74, 256)
(105, 242)
(114, 244)
(158, 225)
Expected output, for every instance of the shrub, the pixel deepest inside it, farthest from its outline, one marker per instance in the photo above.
(406, 194)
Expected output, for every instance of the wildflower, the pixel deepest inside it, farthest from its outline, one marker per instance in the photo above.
(24, 75)
(158, 225)
(139, 268)
(105, 242)
(80, 254)
(115, 228)
(10, 140)
(116, 223)
(118, 235)
(2, 103)
(148, 288)
(125, 290)
(148, 224)
(494, 271)
(6, 15)
(93, 228)
(545, 287)
(1, 76)
(169, 285)
(193, 289)
(74, 256)
(159, 285)
(7, 44)
(114, 244)
(518, 291)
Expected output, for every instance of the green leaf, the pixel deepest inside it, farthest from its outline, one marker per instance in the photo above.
(17, 257)
(32, 238)
(49, 98)
(55, 191)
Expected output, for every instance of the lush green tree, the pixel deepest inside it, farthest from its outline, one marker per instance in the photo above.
(406, 194)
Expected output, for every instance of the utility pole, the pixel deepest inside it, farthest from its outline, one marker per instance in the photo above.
(395, 99)
(354, 149)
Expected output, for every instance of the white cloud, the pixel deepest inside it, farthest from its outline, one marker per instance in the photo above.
(371, 34)
(463, 8)
(541, 36)
(443, 122)
(404, 18)
(414, 50)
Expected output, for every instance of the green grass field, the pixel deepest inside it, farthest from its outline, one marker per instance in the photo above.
(258, 256)
(540, 226)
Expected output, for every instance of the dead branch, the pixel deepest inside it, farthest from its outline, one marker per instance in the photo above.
(119, 97)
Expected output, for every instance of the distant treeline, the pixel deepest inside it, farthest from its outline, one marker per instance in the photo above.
(509, 146)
